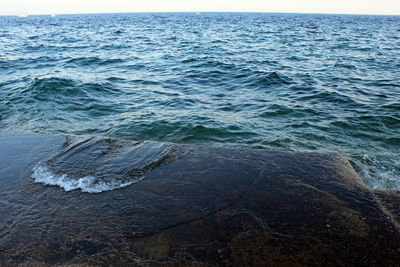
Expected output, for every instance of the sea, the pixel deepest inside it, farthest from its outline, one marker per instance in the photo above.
(287, 82)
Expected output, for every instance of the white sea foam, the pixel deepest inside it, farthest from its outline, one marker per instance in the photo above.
(88, 184)
(381, 171)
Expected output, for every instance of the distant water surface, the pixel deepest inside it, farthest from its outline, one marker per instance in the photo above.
(324, 83)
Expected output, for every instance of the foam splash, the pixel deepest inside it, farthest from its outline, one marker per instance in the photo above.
(381, 171)
(95, 164)
(88, 184)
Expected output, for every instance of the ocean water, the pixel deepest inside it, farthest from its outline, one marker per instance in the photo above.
(292, 82)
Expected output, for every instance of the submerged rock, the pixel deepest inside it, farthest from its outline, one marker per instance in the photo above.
(193, 205)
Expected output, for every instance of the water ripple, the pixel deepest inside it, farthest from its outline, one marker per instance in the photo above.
(326, 83)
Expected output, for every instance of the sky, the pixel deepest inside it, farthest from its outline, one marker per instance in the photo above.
(381, 7)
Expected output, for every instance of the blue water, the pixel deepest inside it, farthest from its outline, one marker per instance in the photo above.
(324, 83)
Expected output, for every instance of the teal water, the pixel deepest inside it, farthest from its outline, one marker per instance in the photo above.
(324, 83)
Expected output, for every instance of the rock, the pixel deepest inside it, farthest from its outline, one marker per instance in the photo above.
(195, 205)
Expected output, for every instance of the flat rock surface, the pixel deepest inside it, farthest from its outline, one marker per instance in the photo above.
(189, 205)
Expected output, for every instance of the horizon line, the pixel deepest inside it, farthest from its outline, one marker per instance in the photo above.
(196, 12)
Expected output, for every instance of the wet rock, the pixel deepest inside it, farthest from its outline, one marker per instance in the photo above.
(194, 206)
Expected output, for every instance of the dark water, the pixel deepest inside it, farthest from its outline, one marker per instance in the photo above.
(325, 83)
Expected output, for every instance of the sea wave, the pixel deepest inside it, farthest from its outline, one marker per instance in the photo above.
(88, 184)
(271, 81)
(381, 170)
(94, 164)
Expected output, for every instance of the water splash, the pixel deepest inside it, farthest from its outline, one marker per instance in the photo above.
(88, 184)
(94, 164)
